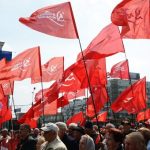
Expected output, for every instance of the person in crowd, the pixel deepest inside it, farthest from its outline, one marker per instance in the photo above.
(13, 142)
(26, 140)
(36, 133)
(86, 143)
(126, 127)
(93, 134)
(134, 141)
(52, 141)
(114, 140)
(78, 131)
(70, 128)
(66, 139)
(146, 133)
(40, 141)
(4, 139)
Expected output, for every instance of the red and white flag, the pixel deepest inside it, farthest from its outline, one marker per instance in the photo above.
(120, 70)
(52, 70)
(56, 20)
(25, 65)
(134, 17)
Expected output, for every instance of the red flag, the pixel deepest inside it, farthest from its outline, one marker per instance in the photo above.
(23, 66)
(1, 93)
(132, 99)
(96, 70)
(8, 87)
(147, 114)
(2, 62)
(69, 82)
(3, 106)
(134, 17)
(52, 70)
(7, 116)
(102, 117)
(77, 118)
(75, 94)
(46, 108)
(108, 42)
(140, 116)
(100, 97)
(120, 70)
(56, 20)
(62, 101)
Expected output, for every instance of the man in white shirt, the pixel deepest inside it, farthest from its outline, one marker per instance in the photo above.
(51, 137)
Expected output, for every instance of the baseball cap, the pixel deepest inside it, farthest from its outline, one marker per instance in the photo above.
(50, 127)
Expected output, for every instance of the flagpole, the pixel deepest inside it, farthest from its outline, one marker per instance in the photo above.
(83, 58)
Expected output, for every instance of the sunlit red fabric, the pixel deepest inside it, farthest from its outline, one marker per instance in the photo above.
(102, 117)
(120, 70)
(24, 65)
(56, 20)
(52, 70)
(132, 99)
(134, 17)
(108, 42)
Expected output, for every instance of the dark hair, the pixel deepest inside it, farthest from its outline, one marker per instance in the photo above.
(26, 126)
(117, 135)
(88, 124)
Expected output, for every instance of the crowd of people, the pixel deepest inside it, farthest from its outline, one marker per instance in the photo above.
(59, 136)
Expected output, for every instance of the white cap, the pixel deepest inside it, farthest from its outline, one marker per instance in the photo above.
(50, 127)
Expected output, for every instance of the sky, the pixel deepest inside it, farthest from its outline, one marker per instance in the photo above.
(91, 17)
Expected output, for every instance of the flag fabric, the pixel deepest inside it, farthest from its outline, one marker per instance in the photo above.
(62, 101)
(52, 70)
(56, 20)
(147, 114)
(120, 70)
(23, 66)
(1, 92)
(45, 108)
(7, 116)
(75, 94)
(3, 106)
(49, 94)
(102, 117)
(100, 97)
(69, 82)
(2, 62)
(108, 42)
(96, 70)
(77, 118)
(140, 116)
(134, 17)
(132, 99)
(8, 87)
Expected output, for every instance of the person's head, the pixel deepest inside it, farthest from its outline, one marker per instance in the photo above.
(24, 130)
(146, 133)
(86, 143)
(126, 126)
(88, 127)
(71, 126)
(62, 129)
(114, 139)
(108, 127)
(135, 140)
(36, 132)
(50, 132)
(78, 132)
(4, 132)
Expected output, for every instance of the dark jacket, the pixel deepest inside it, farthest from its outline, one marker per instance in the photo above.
(27, 144)
(69, 142)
